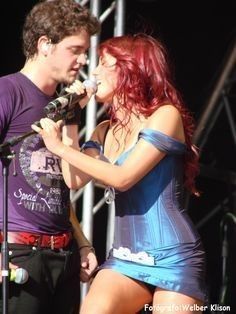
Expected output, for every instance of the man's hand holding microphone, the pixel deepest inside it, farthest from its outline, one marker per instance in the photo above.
(78, 95)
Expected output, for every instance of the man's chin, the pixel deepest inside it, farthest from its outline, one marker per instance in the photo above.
(70, 80)
(72, 77)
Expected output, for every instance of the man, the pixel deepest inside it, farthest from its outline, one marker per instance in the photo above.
(44, 235)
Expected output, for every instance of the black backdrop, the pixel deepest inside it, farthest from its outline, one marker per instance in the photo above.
(197, 35)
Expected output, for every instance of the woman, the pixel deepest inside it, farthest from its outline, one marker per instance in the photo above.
(157, 255)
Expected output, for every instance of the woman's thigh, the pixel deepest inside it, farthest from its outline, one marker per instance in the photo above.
(171, 302)
(114, 293)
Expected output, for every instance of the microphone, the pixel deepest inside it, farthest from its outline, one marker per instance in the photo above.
(68, 99)
(19, 275)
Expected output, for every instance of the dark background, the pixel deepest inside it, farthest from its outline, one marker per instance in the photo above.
(198, 36)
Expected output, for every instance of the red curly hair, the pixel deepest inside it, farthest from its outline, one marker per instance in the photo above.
(145, 84)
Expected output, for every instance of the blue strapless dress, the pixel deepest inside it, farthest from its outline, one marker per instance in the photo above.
(155, 241)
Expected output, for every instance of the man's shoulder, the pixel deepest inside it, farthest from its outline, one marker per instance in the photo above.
(9, 81)
(9, 77)
(10, 88)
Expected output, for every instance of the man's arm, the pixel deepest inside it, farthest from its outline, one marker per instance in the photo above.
(87, 254)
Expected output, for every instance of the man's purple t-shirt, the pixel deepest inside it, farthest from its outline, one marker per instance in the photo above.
(38, 199)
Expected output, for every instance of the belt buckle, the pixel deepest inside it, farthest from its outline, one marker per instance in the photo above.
(52, 243)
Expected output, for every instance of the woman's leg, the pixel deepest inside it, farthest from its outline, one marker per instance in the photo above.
(170, 302)
(114, 293)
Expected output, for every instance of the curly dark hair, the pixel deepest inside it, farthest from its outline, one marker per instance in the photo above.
(56, 19)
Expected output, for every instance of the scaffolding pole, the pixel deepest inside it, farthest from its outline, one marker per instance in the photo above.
(88, 207)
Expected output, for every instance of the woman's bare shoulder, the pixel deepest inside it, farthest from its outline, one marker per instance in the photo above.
(168, 120)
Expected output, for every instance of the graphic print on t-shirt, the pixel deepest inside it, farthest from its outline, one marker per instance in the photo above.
(42, 171)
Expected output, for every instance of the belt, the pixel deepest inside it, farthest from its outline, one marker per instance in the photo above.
(58, 241)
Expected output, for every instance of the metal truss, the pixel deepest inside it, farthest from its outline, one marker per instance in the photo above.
(115, 9)
(221, 102)
(219, 114)
(224, 87)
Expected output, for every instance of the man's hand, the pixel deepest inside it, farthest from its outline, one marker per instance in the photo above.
(88, 263)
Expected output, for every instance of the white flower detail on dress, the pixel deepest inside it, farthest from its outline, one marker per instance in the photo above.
(140, 257)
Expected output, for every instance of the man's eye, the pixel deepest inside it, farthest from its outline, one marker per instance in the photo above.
(75, 51)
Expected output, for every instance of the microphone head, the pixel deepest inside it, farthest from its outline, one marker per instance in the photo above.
(91, 84)
(19, 275)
